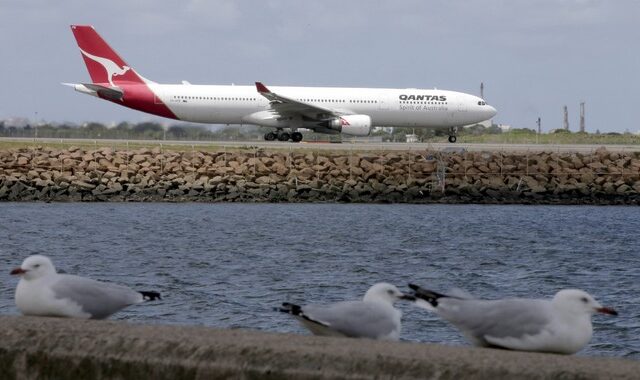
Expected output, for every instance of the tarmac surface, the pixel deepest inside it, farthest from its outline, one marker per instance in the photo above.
(351, 146)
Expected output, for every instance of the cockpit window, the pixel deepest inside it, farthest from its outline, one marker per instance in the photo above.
(482, 103)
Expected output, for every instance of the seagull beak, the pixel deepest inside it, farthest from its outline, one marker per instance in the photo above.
(606, 310)
(407, 297)
(18, 271)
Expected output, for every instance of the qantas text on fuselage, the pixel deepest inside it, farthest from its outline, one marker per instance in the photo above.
(437, 98)
(333, 110)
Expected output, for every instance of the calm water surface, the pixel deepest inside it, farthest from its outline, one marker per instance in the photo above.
(228, 265)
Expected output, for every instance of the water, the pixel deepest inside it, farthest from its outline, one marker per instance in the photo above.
(229, 265)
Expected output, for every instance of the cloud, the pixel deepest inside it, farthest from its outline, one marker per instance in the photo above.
(530, 54)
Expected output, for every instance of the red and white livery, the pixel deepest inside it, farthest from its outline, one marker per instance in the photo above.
(351, 111)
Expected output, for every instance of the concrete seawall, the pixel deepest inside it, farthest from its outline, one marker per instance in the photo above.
(73, 174)
(38, 348)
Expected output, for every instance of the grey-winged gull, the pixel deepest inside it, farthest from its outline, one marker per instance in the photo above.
(42, 291)
(374, 317)
(560, 325)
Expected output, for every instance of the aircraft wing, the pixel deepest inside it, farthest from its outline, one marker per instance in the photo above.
(285, 106)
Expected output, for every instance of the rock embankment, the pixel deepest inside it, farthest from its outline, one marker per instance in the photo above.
(58, 348)
(74, 174)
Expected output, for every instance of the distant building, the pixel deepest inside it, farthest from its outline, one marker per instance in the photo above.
(504, 127)
(412, 138)
(384, 129)
(17, 122)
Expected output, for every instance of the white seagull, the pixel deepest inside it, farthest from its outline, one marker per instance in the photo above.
(43, 292)
(374, 317)
(560, 325)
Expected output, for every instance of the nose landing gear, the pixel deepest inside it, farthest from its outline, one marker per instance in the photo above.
(453, 134)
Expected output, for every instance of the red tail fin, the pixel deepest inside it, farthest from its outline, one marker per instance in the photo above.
(104, 65)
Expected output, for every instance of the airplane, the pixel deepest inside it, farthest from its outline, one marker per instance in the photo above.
(331, 110)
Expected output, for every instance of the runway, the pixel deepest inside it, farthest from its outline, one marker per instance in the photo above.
(351, 146)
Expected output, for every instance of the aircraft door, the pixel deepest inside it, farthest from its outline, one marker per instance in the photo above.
(462, 107)
(383, 103)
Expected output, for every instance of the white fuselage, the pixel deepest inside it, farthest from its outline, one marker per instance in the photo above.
(350, 111)
(387, 107)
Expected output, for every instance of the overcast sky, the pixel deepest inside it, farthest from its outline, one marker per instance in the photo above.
(534, 56)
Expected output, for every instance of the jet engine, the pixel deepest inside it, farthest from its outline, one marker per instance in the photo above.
(354, 125)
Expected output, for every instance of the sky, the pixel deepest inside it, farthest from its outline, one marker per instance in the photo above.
(534, 56)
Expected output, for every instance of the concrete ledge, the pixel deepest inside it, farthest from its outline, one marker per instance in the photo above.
(38, 348)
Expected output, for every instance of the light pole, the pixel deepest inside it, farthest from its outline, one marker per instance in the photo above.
(35, 124)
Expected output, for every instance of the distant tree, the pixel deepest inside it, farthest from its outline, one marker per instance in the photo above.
(425, 133)
(523, 130)
(476, 130)
(147, 127)
(91, 130)
(123, 126)
(148, 130)
(177, 131)
(95, 127)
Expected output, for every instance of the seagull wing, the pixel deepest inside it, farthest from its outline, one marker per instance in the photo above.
(487, 322)
(99, 299)
(357, 318)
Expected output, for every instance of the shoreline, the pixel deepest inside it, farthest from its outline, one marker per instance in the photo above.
(420, 177)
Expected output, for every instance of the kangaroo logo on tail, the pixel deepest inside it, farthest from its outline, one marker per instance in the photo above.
(110, 67)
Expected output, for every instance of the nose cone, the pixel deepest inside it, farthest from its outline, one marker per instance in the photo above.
(491, 112)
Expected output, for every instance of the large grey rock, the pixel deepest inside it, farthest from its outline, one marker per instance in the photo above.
(83, 185)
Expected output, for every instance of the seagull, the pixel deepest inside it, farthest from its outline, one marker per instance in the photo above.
(560, 325)
(374, 317)
(42, 291)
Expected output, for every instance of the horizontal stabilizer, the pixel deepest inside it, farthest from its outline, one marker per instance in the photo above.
(107, 92)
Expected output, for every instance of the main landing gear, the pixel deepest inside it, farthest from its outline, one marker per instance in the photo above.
(453, 132)
(281, 135)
